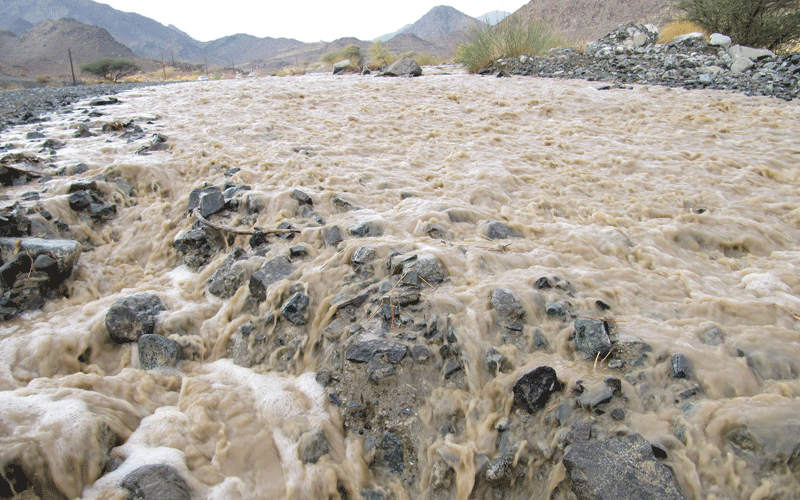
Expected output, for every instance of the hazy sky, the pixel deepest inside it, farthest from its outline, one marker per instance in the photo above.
(304, 20)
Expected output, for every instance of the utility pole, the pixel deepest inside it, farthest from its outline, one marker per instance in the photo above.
(72, 67)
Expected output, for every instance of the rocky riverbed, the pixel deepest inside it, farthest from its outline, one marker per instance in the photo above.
(448, 286)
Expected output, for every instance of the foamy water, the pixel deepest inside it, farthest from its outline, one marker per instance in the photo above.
(678, 209)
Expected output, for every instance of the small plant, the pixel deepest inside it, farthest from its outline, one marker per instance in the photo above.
(351, 53)
(111, 68)
(423, 59)
(511, 38)
(42, 79)
(380, 56)
(677, 28)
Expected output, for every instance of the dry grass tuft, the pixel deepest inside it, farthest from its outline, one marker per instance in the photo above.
(677, 28)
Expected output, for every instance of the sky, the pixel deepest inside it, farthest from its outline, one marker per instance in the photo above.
(304, 20)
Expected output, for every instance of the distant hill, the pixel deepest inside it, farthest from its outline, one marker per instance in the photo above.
(43, 48)
(589, 20)
(241, 48)
(15, 25)
(438, 23)
(493, 17)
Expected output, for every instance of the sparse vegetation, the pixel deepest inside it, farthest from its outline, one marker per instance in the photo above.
(511, 38)
(380, 56)
(756, 23)
(422, 59)
(677, 28)
(351, 52)
(110, 68)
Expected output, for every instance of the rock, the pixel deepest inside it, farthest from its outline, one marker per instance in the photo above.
(331, 235)
(102, 211)
(80, 201)
(52, 144)
(390, 453)
(533, 390)
(302, 198)
(197, 246)
(498, 231)
(156, 351)
(312, 446)
(208, 201)
(405, 66)
(104, 101)
(713, 337)
(131, 317)
(368, 228)
(601, 393)
(591, 337)
(498, 470)
(340, 67)
(737, 51)
(741, 64)
(157, 143)
(271, 272)
(82, 131)
(377, 370)
(720, 40)
(680, 366)
(34, 135)
(493, 360)
(343, 205)
(64, 252)
(294, 309)
(421, 354)
(556, 310)
(229, 277)
(619, 467)
(363, 255)
(451, 367)
(13, 222)
(363, 351)
(421, 272)
(507, 304)
(156, 482)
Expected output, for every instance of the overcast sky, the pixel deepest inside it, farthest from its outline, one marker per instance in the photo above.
(304, 20)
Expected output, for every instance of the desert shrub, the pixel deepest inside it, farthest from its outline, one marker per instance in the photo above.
(422, 59)
(111, 68)
(755, 23)
(42, 79)
(511, 38)
(677, 28)
(351, 52)
(380, 56)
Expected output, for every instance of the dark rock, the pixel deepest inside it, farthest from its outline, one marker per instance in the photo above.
(498, 231)
(533, 390)
(294, 309)
(80, 201)
(229, 277)
(364, 351)
(64, 252)
(602, 306)
(507, 304)
(367, 228)
(493, 360)
(197, 246)
(618, 414)
(421, 272)
(342, 204)
(312, 446)
(421, 354)
(258, 240)
(363, 255)
(83, 185)
(104, 101)
(208, 201)
(298, 252)
(13, 481)
(34, 135)
(331, 235)
(680, 366)
(102, 211)
(540, 343)
(131, 317)
(156, 482)
(157, 143)
(498, 471)
(156, 351)
(82, 131)
(390, 453)
(556, 310)
(619, 467)
(13, 222)
(591, 337)
(378, 370)
(302, 198)
(271, 272)
(53, 144)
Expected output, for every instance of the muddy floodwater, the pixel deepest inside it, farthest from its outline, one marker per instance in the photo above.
(449, 230)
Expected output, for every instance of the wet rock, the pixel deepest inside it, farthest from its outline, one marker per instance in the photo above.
(312, 446)
(493, 360)
(362, 351)
(82, 131)
(208, 201)
(367, 228)
(507, 304)
(157, 143)
(298, 252)
(421, 272)
(34, 135)
(52, 144)
(770, 363)
(600, 394)
(713, 337)
(230, 276)
(680, 366)
(532, 391)
(496, 230)
(331, 235)
(342, 204)
(341, 67)
(102, 211)
(543, 283)
(294, 309)
(80, 201)
(377, 370)
(363, 255)
(156, 482)
(13, 481)
(556, 310)
(405, 66)
(13, 222)
(498, 471)
(619, 467)
(421, 354)
(131, 317)
(451, 368)
(389, 453)
(64, 252)
(104, 101)
(301, 197)
(156, 351)
(540, 343)
(271, 272)
(591, 337)
(197, 245)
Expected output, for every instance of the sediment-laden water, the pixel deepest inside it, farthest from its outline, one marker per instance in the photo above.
(671, 216)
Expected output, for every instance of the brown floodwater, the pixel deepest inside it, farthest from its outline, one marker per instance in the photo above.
(679, 210)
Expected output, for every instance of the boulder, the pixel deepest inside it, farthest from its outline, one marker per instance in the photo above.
(341, 67)
(331, 235)
(208, 201)
(496, 230)
(532, 391)
(273, 271)
(64, 252)
(591, 337)
(156, 482)
(156, 351)
(294, 309)
(619, 467)
(405, 66)
(312, 446)
(362, 351)
(131, 317)
(720, 40)
(507, 304)
(230, 276)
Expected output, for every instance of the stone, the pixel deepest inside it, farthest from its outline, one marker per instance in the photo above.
(102, 211)
(363, 255)
(363, 351)
(301, 197)
(451, 367)
(507, 304)
(64, 252)
(498, 470)
(53, 144)
(343, 205)
(493, 360)
(157, 143)
(532, 391)
(713, 337)
(196, 245)
(556, 310)
(389, 453)
(156, 482)
(377, 370)
(496, 230)
(34, 135)
(591, 337)
(619, 467)
(422, 272)
(705, 79)
(737, 51)
(720, 40)
(294, 309)
(741, 64)
(207, 201)
(405, 66)
(639, 39)
(367, 228)
(340, 67)
(13, 222)
(331, 235)
(80, 201)
(421, 354)
(104, 101)
(82, 131)
(230, 276)
(131, 317)
(271, 272)
(312, 446)
(680, 366)
(156, 351)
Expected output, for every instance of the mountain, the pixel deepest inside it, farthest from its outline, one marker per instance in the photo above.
(43, 48)
(588, 20)
(439, 23)
(493, 17)
(15, 25)
(241, 48)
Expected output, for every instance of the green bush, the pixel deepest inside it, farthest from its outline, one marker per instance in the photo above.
(110, 68)
(351, 52)
(754, 23)
(511, 38)
(380, 56)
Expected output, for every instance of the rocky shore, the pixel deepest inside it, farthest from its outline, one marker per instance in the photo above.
(631, 55)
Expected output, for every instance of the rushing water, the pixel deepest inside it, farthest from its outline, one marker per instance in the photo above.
(680, 210)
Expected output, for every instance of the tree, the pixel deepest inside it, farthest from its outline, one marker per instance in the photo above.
(754, 23)
(111, 68)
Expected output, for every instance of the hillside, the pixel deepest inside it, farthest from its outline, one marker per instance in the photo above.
(586, 20)
(437, 25)
(242, 48)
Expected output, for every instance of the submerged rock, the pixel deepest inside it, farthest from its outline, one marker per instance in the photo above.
(619, 467)
(156, 482)
(156, 351)
(498, 231)
(271, 272)
(312, 446)
(229, 277)
(507, 304)
(131, 317)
